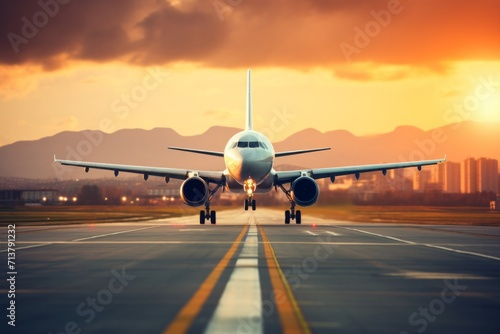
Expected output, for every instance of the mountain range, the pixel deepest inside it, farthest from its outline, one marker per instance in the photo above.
(34, 159)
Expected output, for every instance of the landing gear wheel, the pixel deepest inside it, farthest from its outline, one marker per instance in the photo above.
(202, 217)
(246, 204)
(298, 217)
(212, 217)
(287, 217)
(254, 205)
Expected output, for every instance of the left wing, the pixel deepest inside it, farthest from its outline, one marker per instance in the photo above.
(167, 173)
(320, 173)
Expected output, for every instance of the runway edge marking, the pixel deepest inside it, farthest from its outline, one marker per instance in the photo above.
(427, 245)
(184, 319)
(291, 318)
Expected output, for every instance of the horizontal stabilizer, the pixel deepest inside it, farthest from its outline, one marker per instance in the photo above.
(283, 154)
(214, 153)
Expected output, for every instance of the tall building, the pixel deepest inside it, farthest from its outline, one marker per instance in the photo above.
(479, 175)
(469, 176)
(487, 175)
(449, 177)
(420, 180)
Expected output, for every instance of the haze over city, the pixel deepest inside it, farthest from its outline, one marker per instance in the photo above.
(363, 66)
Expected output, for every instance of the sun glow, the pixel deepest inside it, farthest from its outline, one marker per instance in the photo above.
(490, 108)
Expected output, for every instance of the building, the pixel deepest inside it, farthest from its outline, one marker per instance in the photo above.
(487, 175)
(28, 196)
(421, 179)
(468, 183)
(449, 177)
(479, 175)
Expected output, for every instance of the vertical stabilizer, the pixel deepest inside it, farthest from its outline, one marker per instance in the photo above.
(248, 119)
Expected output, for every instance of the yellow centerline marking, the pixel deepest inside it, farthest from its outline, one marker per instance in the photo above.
(291, 318)
(188, 313)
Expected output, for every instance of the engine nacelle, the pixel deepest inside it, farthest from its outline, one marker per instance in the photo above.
(194, 191)
(305, 191)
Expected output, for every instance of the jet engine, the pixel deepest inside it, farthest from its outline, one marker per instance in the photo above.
(305, 191)
(194, 191)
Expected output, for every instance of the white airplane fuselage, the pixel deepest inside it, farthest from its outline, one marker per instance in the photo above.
(249, 159)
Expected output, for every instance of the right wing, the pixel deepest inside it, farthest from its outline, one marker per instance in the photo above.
(192, 150)
(320, 173)
(167, 173)
(283, 154)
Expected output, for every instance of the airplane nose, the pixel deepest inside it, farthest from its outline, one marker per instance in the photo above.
(249, 163)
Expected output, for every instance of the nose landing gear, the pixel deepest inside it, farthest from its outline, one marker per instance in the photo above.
(249, 187)
(250, 202)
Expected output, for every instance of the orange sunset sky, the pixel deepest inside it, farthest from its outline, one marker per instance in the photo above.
(364, 66)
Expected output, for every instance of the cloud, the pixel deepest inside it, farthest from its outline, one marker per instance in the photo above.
(70, 122)
(17, 81)
(250, 33)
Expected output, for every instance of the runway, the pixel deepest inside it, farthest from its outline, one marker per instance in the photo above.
(251, 273)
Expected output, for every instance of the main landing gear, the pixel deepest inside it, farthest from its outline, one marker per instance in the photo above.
(208, 214)
(291, 214)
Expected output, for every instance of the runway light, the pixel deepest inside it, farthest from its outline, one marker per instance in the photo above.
(314, 224)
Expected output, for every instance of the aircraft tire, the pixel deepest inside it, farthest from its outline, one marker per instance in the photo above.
(202, 217)
(287, 217)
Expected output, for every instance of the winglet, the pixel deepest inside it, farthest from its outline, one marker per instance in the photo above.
(248, 119)
(55, 159)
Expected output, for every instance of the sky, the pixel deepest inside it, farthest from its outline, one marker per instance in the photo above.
(364, 66)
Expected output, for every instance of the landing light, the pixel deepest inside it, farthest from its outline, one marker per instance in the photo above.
(249, 186)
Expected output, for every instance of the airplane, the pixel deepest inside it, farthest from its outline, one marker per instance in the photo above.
(249, 159)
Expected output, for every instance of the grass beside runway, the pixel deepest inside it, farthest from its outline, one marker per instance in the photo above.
(47, 215)
(408, 214)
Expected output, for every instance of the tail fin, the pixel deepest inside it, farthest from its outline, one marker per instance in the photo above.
(248, 120)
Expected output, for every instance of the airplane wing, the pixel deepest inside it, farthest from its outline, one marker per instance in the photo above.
(214, 153)
(167, 173)
(320, 173)
(283, 154)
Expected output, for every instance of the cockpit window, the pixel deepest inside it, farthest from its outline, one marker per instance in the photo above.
(251, 144)
(233, 145)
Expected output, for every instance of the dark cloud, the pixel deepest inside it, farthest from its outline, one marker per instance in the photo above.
(249, 33)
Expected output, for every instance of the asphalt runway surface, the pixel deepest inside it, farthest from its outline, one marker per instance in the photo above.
(251, 273)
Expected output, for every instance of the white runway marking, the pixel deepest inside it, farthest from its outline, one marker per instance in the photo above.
(464, 252)
(427, 245)
(380, 235)
(240, 307)
(48, 243)
(115, 233)
(311, 233)
(333, 233)
(436, 275)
